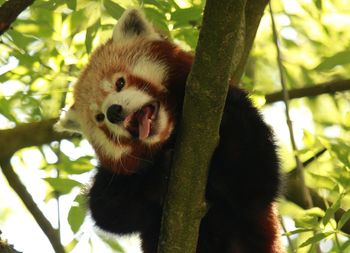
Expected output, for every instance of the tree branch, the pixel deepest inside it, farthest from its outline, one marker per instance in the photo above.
(254, 10)
(28, 201)
(5, 247)
(314, 90)
(28, 134)
(9, 12)
(206, 91)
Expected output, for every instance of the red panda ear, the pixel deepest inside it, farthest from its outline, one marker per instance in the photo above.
(131, 25)
(68, 121)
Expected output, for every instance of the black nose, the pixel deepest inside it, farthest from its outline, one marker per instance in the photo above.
(114, 113)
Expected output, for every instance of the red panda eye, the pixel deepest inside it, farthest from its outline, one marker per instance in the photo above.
(120, 83)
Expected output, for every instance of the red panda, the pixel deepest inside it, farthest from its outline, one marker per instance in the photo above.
(127, 103)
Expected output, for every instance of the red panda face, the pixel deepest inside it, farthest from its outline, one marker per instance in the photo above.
(124, 98)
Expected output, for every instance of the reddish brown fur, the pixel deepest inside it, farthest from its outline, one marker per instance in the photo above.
(170, 98)
(129, 187)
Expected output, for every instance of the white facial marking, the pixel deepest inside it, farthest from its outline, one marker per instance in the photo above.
(107, 86)
(131, 99)
(150, 70)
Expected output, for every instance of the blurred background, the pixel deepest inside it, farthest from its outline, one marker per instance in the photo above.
(43, 52)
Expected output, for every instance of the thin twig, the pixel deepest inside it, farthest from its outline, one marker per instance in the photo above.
(299, 165)
(290, 241)
(24, 195)
(58, 206)
(313, 90)
(300, 168)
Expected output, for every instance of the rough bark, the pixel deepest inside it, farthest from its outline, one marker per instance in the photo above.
(26, 135)
(9, 12)
(206, 90)
(254, 10)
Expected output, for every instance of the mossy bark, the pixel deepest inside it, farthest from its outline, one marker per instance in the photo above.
(28, 134)
(220, 41)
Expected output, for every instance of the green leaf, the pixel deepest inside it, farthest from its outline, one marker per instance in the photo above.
(72, 4)
(309, 218)
(113, 9)
(189, 35)
(319, 4)
(79, 166)
(344, 219)
(345, 246)
(331, 210)
(76, 218)
(328, 63)
(77, 214)
(85, 17)
(90, 35)
(6, 109)
(314, 239)
(342, 153)
(187, 17)
(62, 185)
(329, 214)
(298, 231)
(71, 245)
(112, 243)
(165, 6)
(49, 5)
(41, 28)
(157, 18)
(20, 39)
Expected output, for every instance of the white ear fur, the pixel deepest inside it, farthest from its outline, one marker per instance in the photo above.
(133, 24)
(68, 122)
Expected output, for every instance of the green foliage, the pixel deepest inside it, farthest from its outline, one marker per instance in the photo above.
(45, 49)
(113, 244)
(339, 59)
(113, 9)
(77, 213)
(62, 185)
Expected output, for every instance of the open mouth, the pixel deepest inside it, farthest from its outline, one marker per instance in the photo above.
(140, 124)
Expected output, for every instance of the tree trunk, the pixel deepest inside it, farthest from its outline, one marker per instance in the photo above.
(220, 51)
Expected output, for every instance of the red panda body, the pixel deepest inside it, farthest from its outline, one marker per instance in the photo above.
(128, 103)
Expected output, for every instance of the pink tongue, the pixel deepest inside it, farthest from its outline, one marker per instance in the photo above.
(145, 123)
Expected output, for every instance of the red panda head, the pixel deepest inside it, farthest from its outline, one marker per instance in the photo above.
(127, 99)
